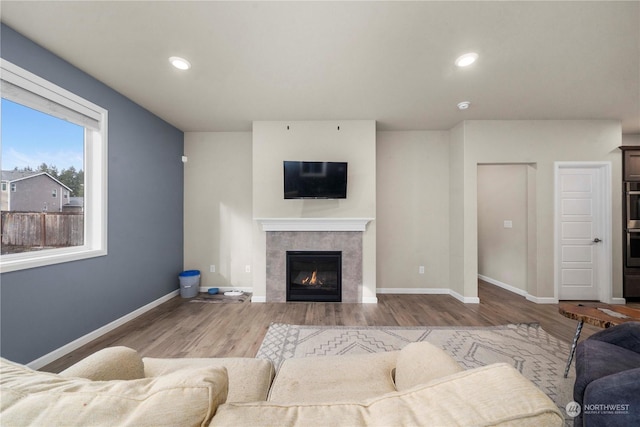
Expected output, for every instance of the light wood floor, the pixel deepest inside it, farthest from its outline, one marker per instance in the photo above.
(179, 328)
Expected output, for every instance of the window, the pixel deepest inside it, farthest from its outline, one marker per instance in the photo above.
(86, 123)
(4, 186)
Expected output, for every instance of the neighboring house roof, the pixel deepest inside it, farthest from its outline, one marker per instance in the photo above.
(13, 176)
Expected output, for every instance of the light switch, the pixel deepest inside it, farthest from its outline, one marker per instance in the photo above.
(508, 223)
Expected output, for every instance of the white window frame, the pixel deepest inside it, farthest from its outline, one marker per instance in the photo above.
(95, 170)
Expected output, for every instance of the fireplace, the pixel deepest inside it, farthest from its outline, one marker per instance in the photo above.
(314, 276)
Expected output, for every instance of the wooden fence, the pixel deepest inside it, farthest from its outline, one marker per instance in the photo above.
(42, 229)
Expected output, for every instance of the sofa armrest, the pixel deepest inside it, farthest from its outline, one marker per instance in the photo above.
(613, 400)
(625, 335)
(112, 363)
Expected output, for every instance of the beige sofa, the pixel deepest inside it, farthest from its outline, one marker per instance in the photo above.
(419, 385)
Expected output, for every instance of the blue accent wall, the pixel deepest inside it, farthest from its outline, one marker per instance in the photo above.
(45, 308)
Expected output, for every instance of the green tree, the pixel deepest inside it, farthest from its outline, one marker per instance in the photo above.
(74, 180)
(51, 170)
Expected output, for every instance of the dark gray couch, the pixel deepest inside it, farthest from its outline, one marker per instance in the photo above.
(608, 377)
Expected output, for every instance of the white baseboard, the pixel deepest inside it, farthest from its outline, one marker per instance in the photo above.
(258, 299)
(462, 298)
(518, 291)
(74, 345)
(616, 300)
(429, 291)
(541, 300)
(503, 285)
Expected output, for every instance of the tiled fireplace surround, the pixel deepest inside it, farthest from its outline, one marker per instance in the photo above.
(314, 235)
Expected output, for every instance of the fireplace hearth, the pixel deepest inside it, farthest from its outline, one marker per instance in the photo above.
(314, 276)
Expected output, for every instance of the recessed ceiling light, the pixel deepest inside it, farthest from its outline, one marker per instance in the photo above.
(180, 63)
(466, 59)
(464, 105)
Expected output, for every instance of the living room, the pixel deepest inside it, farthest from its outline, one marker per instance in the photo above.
(417, 185)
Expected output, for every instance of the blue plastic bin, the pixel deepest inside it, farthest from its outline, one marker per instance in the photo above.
(189, 283)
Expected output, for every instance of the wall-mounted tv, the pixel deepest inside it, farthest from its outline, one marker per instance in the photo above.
(315, 180)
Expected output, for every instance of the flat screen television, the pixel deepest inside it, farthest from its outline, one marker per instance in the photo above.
(315, 180)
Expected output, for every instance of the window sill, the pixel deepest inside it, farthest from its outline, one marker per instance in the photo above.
(16, 262)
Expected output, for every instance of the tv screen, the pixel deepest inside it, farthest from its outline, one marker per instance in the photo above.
(315, 180)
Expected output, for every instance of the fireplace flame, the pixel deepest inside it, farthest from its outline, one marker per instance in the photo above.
(313, 280)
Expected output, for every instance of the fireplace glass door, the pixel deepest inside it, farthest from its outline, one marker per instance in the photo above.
(314, 276)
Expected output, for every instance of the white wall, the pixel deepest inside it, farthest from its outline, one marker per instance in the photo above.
(502, 251)
(352, 141)
(458, 259)
(540, 143)
(218, 223)
(231, 178)
(412, 210)
(314, 141)
(631, 139)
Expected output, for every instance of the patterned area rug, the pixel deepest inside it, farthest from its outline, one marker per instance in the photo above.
(537, 355)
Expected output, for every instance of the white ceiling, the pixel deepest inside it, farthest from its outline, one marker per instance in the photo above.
(387, 61)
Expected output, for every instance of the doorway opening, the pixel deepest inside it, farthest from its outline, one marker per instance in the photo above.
(507, 227)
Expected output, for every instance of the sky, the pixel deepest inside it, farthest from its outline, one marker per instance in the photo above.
(30, 138)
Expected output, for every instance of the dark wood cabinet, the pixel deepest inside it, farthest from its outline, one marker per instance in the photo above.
(631, 284)
(631, 167)
(630, 221)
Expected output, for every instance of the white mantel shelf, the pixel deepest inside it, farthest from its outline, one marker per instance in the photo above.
(313, 224)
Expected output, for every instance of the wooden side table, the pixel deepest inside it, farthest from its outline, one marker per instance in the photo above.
(601, 315)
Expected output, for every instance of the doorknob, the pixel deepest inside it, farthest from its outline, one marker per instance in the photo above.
(596, 240)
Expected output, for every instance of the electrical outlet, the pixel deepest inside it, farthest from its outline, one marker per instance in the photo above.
(247, 269)
(212, 268)
(508, 223)
(421, 269)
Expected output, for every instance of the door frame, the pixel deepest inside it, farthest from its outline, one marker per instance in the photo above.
(605, 267)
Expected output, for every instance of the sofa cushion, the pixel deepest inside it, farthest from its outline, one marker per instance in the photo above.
(596, 359)
(185, 398)
(249, 379)
(421, 362)
(613, 400)
(495, 395)
(111, 363)
(334, 378)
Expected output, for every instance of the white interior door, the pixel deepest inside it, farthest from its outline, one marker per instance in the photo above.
(579, 210)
